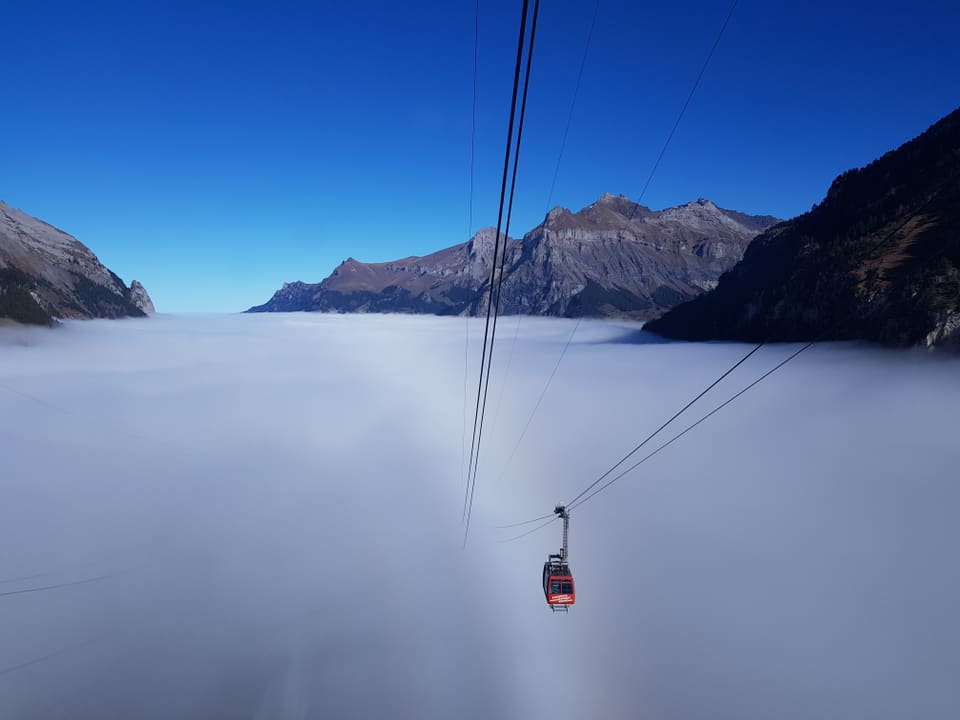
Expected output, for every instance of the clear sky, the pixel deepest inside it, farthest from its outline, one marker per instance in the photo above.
(215, 151)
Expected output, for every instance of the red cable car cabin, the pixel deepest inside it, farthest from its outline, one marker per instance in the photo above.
(558, 584)
(557, 579)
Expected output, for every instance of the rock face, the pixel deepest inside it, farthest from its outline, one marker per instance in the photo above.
(878, 259)
(443, 283)
(613, 258)
(139, 297)
(47, 274)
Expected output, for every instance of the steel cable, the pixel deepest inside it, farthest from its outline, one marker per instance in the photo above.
(477, 418)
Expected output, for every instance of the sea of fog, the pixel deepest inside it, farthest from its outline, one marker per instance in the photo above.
(268, 511)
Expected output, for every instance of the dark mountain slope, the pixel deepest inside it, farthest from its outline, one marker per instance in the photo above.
(878, 259)
(46, 274)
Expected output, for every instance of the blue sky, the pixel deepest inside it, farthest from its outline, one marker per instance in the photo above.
(215, 151)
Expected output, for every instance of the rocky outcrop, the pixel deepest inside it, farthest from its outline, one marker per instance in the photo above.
(613, 258)
(47, 274)
(617, 258)
(878, 259)
(139, 298)
(946, 331)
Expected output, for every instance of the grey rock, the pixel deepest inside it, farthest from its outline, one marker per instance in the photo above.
(47, 274)
(612, 258)
(139, 296)
(945, 332)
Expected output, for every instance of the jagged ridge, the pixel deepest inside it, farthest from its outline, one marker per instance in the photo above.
(613, 258)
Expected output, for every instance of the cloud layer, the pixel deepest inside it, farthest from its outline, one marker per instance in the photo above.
(283, 496)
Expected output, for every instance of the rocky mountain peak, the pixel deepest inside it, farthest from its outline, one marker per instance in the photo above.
(481, 244)
(557, 217)
(611, 258)
(140, 298)
(700, 206)
(556, 213)
(610, 198)
(608, 205)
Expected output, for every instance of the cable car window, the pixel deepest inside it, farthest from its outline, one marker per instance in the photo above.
(554, 587)
(568, 587)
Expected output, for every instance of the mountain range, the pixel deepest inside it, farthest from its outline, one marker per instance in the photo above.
(46, 274)
(877, 259)
(612, 258)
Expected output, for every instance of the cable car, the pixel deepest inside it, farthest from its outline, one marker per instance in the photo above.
(558, 585)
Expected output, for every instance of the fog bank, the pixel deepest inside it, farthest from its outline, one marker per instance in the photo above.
(280, 497)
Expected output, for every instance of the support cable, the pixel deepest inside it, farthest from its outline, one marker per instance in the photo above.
(34, 576)
(656, 432)
(525, 522)
(573, 103)
(503, 257)
(643, 192)
(556, 173)
(543, 394)
(52, 655)
(530, 532)
(583, 496)
(73, 583)
(710, 414)
(468, 495)
(686, 104)
(473, 154)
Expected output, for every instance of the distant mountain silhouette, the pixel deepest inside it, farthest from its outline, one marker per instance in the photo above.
(878, 259)
(47, 274)
(613, 258)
